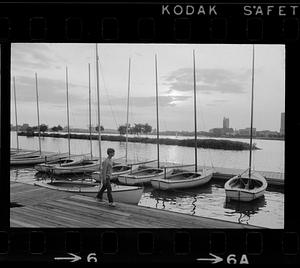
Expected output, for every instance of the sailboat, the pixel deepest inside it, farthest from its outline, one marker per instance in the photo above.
(76, 164)
(142, 174)
(120, 168)
(16, 152)
(66, 160)
(248, 185)
(186, 179)
(31, 158)
(121, 193)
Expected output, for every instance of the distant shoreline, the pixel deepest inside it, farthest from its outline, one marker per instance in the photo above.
(222, 137)
(218, 144)
(179, 134)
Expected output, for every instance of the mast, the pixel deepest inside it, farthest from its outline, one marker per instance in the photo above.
(251, 126)
(68, 121)
(16, 117)
(90, 116)
(98, 100)
(127, 110)
(157, 121)
(195, 111)
(38, 113)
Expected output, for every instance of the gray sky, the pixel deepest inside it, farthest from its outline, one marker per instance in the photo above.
(223, 84)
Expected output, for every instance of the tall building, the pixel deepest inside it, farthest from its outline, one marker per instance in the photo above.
(282, 123)
(225, 122)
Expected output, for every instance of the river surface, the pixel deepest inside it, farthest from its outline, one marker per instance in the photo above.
(208, 200)
(269, 158)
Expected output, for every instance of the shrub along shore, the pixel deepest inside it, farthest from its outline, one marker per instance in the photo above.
(201, 143)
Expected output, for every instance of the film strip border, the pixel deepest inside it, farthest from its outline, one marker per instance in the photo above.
(229, 247)
(149, 23)
(136, 23)
(181, 30)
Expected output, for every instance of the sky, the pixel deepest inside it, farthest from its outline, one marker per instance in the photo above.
(223, 83)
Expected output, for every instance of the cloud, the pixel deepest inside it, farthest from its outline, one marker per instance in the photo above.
(208, 80)
(50, 91)
(142, 101)
(32, 56)
(53, 92)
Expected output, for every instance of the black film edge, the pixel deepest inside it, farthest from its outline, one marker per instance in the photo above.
(24, 233)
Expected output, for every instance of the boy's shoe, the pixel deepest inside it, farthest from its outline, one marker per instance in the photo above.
(112, 204)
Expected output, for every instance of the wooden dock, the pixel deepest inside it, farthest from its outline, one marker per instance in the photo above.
(44, 208)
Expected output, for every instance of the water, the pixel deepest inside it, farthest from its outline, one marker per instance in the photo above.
(208, 201)
(269, 158)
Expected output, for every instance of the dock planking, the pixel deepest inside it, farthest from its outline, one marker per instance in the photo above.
(46, 208)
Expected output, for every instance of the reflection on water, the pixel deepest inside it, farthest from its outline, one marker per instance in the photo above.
(245, 209)
(208, 201)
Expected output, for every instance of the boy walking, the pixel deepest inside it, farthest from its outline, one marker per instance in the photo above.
(107, 166)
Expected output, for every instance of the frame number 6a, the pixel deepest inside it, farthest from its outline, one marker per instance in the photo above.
(232, 259)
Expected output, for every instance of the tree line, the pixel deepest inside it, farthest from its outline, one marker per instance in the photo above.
(44, 128)
(136, 129)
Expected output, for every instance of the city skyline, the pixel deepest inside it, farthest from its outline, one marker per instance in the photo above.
(223, 84)
(225, 126)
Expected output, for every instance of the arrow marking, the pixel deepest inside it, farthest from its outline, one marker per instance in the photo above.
(214, 260)
(72, 259)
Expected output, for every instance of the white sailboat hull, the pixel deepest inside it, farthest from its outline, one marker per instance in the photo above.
(183, 180)
(249, 185)
(115, 174)
(90, 166)
(243, 196)
(143, 176)
(238, 191)
(89, 169)
(48, 167)
(13, 151)
(120, 193)
(20, 154)
(33, 159)
(27, 161)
